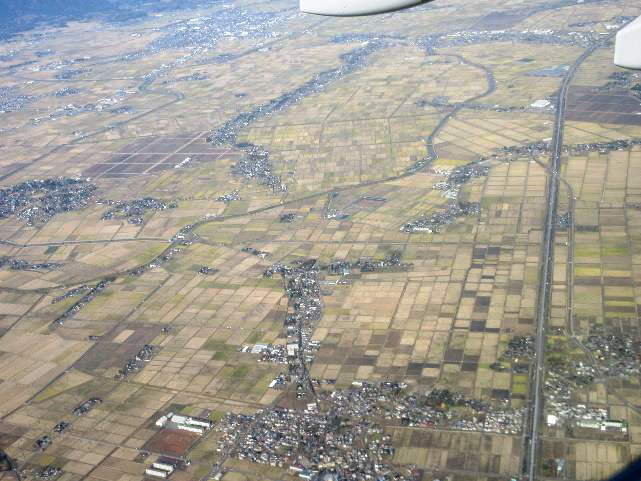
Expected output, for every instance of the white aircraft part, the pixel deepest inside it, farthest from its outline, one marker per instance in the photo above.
(349, 8)
(627, 52)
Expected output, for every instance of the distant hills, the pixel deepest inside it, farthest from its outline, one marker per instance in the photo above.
(20, 15)
(17, 8)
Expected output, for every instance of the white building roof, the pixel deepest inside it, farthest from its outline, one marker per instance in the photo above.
(540, 104)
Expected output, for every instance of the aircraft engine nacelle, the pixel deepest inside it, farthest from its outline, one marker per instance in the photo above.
(627, 52)
(350, 8)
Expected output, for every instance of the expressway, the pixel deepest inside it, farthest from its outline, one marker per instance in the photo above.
(547, 261)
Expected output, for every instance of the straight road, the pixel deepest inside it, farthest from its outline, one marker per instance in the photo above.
(547, 261)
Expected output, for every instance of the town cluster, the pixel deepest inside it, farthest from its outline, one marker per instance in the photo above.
(342, 434)
(134, 210)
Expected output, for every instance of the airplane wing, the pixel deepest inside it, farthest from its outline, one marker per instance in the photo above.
(627, 52)
(351, 8)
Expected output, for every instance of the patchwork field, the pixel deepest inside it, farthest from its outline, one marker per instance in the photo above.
(327, 233)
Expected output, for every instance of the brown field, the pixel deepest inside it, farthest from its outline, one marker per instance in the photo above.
(171, 442)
